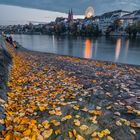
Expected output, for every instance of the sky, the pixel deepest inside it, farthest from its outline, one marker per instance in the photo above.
(11, 15)
(78, 6)
(12, 11)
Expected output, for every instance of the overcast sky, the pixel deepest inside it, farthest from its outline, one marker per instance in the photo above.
(19, 15)
(78, 6)
(15, 14)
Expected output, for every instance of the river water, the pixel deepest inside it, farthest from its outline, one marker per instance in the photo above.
(113, 49)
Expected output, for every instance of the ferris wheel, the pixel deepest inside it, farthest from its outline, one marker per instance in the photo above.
(89, 12)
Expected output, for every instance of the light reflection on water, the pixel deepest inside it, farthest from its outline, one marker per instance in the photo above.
(114, 49)
(88, 49)
(118, 49)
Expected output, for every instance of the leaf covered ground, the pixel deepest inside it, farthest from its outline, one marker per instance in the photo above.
(55, 97)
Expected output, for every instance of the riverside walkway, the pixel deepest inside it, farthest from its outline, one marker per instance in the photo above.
(57, 97)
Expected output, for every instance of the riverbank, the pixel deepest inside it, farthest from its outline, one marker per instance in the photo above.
(5, 61)
(59, 97)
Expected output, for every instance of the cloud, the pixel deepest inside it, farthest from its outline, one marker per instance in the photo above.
(79, 6)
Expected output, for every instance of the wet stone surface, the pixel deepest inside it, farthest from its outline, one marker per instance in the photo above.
(58, 97)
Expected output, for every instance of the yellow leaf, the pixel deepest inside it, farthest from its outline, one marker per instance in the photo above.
(93, 119)
(76, 107)
(95, 139)
(78, 137)
(8, 137)
(84, 109)
(17, 138)
(109, 138)
(94, 81)
(105, 132)
(130, 108)
(55, 122)
(94, 134)
(46, 124)
(2, 121)
(11, 95)
(42, 108)
(97, 112)
(27, 132)
(33, 121)
(77, 116)
(70, 135)
(47, 133)
(77, 122)
(137, 112)
(24, 121)
(25, 138)
(135, 125)
(100, 135)
(74, 132)
(58, 113)
(57, 132)
(39, 137)
(83, 127)
(52, 112)
(66, 118)
(34, 137)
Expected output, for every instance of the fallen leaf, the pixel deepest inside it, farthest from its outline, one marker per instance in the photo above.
(105, 132)
(78, 137)
(77, 122)
(55, 122)
(46, 124)
(83, 127)
(133, 131)
(27, 132)
(57, 132)
(74, 132)
(70, 135)
(118, 123)
(109, 138)
(47, 133)
(68, 117)
(2, 121)
(40, 137)
(94, 134)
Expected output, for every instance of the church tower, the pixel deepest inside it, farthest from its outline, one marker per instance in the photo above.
(70, 16)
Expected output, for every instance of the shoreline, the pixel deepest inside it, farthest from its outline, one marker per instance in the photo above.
(68, 35)
(100, 61)
(106, 91)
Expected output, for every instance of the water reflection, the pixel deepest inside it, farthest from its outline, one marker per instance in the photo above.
(126, 48)
(88, 49)
(118, 49)
(96, 48)
(114, 49)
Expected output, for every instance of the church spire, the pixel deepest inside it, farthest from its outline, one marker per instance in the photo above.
(70, 15)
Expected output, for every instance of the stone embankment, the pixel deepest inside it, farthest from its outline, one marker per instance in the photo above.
(5, 61)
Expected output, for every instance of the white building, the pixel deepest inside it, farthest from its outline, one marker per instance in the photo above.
(130, 19)
(108, 19)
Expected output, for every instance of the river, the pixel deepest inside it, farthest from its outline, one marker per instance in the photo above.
(113, 49)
